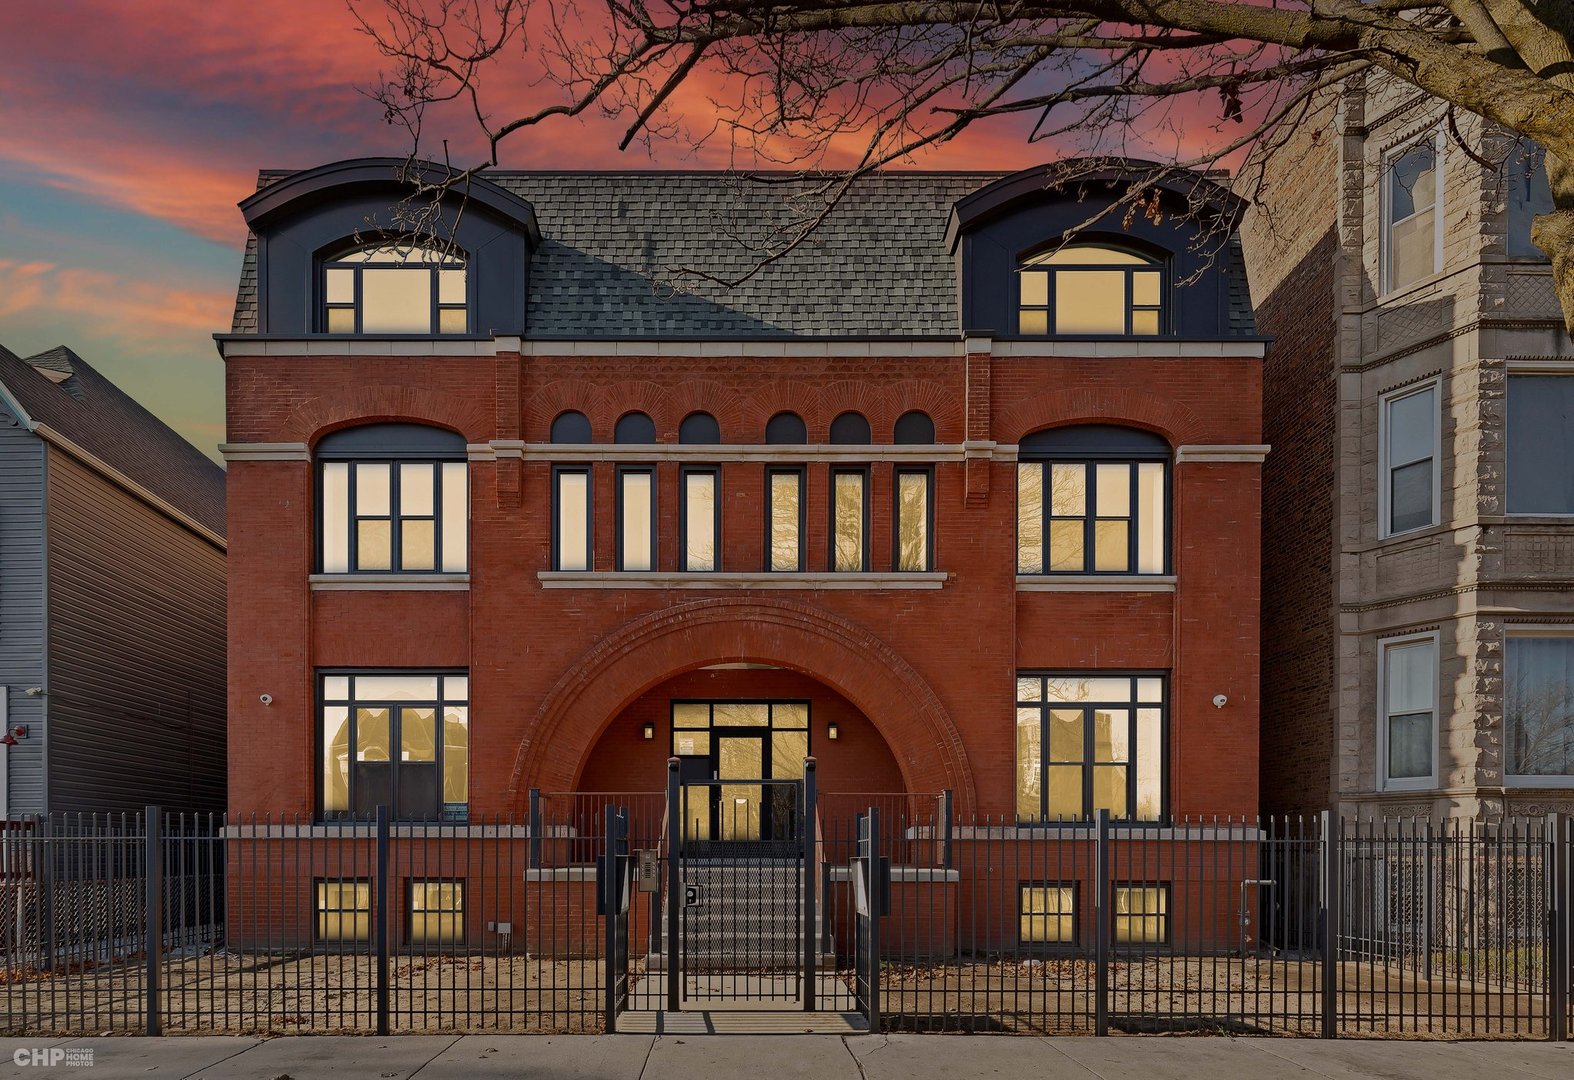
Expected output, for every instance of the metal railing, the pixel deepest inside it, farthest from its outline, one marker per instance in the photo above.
(178, 923)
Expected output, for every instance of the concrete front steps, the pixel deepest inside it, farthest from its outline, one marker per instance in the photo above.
(749, 917)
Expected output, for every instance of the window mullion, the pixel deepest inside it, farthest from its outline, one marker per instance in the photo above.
(1044, 756)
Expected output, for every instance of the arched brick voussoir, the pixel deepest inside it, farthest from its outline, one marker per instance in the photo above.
(651, 649)
(370, 404)
(1132, 407)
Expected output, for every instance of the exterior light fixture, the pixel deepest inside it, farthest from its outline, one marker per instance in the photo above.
(650, 731)
(833, 732)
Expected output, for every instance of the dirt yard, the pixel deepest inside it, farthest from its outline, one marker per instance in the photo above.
(331, 993)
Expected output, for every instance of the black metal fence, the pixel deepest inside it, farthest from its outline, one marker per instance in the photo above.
(914, 919)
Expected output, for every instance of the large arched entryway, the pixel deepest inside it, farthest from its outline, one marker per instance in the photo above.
(881, 693)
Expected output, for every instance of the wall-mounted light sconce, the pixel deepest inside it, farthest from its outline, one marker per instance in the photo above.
(650, 731)
(34, 691)
(833, 732)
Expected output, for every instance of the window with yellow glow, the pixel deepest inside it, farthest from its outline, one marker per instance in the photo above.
(1048, 914)
(344, 911)
(1090, 290)
(395, 288)
(437, 912)
(1088, 742)
(395, 740)
(1141, 914)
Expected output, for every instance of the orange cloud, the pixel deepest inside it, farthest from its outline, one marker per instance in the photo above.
(128, 309)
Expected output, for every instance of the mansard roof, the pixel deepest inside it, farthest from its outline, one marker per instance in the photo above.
(617, 254)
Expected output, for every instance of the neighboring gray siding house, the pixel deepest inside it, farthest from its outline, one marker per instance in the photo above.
(111, 599)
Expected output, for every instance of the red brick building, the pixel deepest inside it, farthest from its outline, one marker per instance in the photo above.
(943, 497)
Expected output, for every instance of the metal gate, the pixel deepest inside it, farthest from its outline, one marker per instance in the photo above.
(740, 901)
(612, 902)
(871, 880)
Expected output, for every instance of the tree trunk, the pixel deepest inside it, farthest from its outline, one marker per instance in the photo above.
(1553, 232)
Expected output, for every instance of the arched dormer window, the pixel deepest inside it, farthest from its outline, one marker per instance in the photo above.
(1093, 499)
(1090, 289)
(393, 498)
(394, 288)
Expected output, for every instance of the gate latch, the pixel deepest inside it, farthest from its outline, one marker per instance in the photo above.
(692, 894)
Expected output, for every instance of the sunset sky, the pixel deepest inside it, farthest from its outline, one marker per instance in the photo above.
(129, 131)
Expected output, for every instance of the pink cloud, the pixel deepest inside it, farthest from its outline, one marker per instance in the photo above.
(131, 310)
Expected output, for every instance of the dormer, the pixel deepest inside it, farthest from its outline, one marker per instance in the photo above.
(332, 260)
(1042, 258)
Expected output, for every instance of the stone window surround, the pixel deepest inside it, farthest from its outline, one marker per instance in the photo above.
(1435, 384)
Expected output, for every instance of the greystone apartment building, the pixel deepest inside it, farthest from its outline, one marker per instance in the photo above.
(1418, 654)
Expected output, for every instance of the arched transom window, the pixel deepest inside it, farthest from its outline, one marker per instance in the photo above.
(391, 288)
(1091, 289)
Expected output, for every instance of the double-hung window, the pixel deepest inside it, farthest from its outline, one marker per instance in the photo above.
(1093, 500)
(1540, 444)
(393, 498)
(400, 740)
(1089, 742)
(1538, 707)
(1412, 221)
(1409, 441)
(1408, 716)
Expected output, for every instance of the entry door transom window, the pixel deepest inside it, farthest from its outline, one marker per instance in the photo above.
(724, 745)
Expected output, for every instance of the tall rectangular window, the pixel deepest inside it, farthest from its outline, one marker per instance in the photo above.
(636, 519)
(1409, 439)
(1538, 707)
(849, 521)
(1409, 710)
(1412, 225)
(1529, 194)
(784, 519)
(396, 740)
(1090, 742)
(1540, 444)
(394, 516)
(571, 520)
(701, 514)
(913, 521)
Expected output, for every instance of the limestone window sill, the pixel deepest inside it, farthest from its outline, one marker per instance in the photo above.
(389, 582)
(1145, 583)
(636, 579)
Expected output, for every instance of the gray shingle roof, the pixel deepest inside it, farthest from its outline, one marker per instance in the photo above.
(615, 247)
(59, 389)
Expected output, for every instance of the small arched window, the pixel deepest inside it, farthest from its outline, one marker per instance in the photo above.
(395, 288)
(914, 429)
(850, 429)
(635, 427)
(786, 429)
(393, 498)
(571, 427)
(1093, 499)
(1090, 289)
(699, 428)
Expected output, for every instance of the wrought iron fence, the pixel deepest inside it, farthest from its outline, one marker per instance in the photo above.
(914, 917)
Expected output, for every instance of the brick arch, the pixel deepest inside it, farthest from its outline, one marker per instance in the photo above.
(872, 401)
(720, 401)
(653, 648)
(940, 402)
(550, 400)
(780, 396)
(1133, 408)
(374, 404)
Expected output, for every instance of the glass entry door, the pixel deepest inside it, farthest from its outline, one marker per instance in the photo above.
(737, 808)
(728, 752)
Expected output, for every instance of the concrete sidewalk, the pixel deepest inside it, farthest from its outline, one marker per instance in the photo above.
(857, 1057)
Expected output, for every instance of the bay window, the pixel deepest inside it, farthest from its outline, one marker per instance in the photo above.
(1408, 715)
(1538, 707)
(1408, 430)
